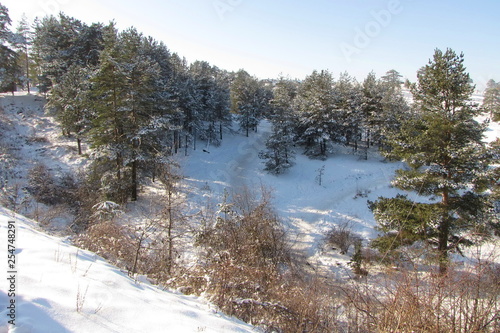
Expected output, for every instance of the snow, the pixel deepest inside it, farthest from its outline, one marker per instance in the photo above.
(54, 276)
(61, 288)
(308, 209)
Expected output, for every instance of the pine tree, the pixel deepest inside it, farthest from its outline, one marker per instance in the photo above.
(213, 91)
(70, 99)
(107, 136)
(491, 102)
(23, 41)
(394, 106)
(279, 153)
(246, 100)
(319, 114)
(61, 42)
(10, 71)
(372, 109)
(442, 145)
(349, 102)
(124, 86)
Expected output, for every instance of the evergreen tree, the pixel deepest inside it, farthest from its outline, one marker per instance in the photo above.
(107, 136)
(124, 86)
(318, 112)
(10, 71)
(392, 79)
(491, 102)
(279, 153)
(246, 100)
(372, 109)
(442, 144)
(70, 99)
(349, 102)
(394, 106)
(188, 106)
(62, 42)
(23, 41)
(213, 90)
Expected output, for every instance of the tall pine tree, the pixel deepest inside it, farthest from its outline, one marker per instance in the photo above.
(279, 154)
(319, 113)
(442, 145)
(491, 102)
(10, 71)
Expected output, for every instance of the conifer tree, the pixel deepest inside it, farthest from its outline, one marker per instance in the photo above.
(279, 154)
(372, 109)
(349, 102)
(491, 102)
(246, 100)
(70, 99)
(442, 145)
(124, 87)
(23, 41)
(10, 71)
(394, 106)
(318, 112)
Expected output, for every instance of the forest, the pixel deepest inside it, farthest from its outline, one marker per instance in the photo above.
(133, 106)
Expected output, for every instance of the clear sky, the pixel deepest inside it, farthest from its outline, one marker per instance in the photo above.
(272, 37)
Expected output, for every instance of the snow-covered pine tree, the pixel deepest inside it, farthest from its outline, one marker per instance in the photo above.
(70, 100)
(442, 145)
(394, 106)
(372, 109)
(107, 136)
(23, 39)
(10, 72)
(318, 114)
(123, 88)
(187, 103)
(61, 42)
(349, 102)
(214, 93)
(246, 100)
(279, 153)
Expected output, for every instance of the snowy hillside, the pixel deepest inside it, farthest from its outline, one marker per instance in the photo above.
(61, 288)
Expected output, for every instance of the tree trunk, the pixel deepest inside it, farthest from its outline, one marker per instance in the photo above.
(27, 70)
(443, 234)
(79, 142)
(170, 252)
(133, 196)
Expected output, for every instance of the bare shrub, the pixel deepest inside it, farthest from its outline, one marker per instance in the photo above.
(342, 237)
(411, 301)
(109, 240)
(250, 272)
(42, 185)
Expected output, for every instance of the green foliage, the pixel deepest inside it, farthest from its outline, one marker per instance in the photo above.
(442, 144)
(491, 102)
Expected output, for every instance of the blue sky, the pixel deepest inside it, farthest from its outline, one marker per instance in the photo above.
(273, 37)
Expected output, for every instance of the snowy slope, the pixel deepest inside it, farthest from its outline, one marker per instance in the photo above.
(55, 278)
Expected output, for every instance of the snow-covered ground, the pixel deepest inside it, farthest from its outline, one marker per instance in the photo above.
(60, 288)
(54, 276)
